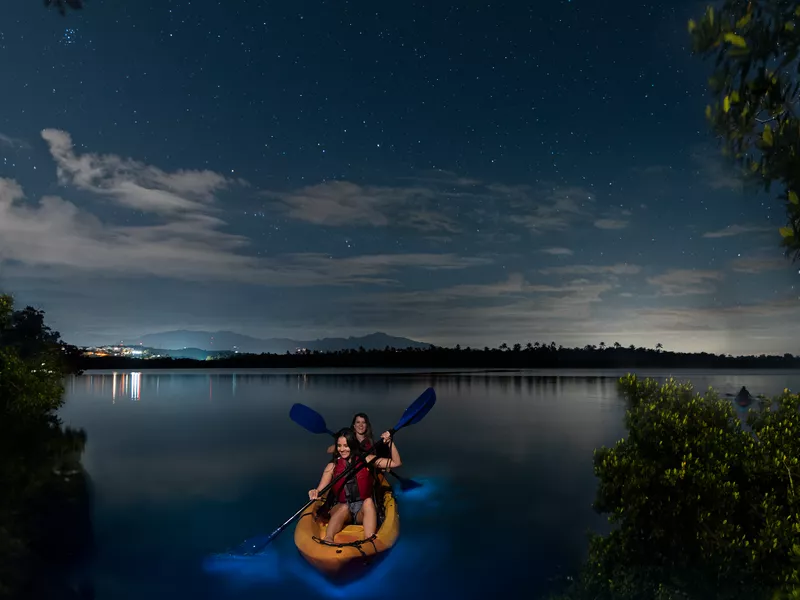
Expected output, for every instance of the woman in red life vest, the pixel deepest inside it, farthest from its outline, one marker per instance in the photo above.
(353, 494)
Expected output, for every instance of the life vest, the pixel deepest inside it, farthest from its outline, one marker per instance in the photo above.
(353, 487)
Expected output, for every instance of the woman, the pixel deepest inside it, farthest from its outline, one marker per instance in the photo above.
(363, 430)
(353, 493)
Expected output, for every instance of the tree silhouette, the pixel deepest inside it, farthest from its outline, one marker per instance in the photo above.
(63, 5)
(756, 44)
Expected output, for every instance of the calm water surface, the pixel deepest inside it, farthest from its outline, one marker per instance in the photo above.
(185, 464)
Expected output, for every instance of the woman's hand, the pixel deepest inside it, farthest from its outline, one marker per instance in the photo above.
(313, 494)
(386, 437)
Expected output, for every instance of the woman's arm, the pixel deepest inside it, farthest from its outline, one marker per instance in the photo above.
(387, 463)
(330, 449)
(327, 475)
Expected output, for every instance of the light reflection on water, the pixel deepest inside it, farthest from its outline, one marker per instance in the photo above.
(186, 464)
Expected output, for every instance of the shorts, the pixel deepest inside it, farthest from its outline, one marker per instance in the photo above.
(355, 508)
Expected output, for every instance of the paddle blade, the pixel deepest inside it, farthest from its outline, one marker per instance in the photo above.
(405, 484)
(308, 418)
(415, 413)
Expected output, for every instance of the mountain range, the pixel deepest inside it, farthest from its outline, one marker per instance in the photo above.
(228, 340)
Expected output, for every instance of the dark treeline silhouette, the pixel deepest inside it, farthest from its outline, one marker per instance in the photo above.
(62, 5)
(46, 535)
(531, 356)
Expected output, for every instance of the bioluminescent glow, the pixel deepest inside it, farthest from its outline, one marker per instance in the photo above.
(404, 564)
(413, 555)
(245, 571)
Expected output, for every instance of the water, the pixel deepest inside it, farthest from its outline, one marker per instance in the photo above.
(185, 464)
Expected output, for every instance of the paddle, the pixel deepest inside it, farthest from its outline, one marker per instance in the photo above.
(412, 415)
(312, 421)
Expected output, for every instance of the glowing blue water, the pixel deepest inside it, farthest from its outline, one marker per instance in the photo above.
(185, 465)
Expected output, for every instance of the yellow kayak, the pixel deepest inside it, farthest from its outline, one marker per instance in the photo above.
(350, 550)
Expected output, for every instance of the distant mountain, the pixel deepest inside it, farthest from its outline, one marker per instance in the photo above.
(228, 340)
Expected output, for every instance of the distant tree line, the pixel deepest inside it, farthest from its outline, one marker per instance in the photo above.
(531, 356)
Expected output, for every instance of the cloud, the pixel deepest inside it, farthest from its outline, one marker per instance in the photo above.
(343, 203)
(12, 143)
(440, 202)
(369, 268)
(337, 203)
(442, 176)
(759, 264)
(426, 220)
(553, 210)
(183, 238)
(731, 319)
(558, 251)
(511, 307)
(716, 173)
(732, 230)
(617, 269)
(652, 170)
(57, 234)
(131, 183)
(610, 224)
(683, 282)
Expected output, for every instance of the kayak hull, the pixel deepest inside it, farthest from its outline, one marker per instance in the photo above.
(341, 562)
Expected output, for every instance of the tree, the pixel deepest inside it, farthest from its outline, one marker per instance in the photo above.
(32, 362)
(62, 5)
(755, 90)
(45, 517)
(703, 508)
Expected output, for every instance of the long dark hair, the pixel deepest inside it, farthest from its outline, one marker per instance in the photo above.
(352, 442)
(367, 431)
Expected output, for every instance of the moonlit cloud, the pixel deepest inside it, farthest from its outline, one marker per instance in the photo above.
(460, 265)
(683, 282)
(11, 143)
(56, 233)
(732, 230)
(610, 224)
(188, 240)
(131, 183)
(440, 203)
(758, 264)
(618, 269)
(552, 210)
(715, 172)
(556, 251)
(343, 203)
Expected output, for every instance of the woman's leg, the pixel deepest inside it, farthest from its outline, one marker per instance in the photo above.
(368, 517)
(340, 515)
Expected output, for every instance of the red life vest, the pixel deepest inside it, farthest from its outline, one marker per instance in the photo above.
(353, 487)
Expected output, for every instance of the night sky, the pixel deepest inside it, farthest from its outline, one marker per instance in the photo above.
(465, 173)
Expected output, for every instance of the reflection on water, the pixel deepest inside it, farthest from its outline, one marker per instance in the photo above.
(45, 522)
(192, 463)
